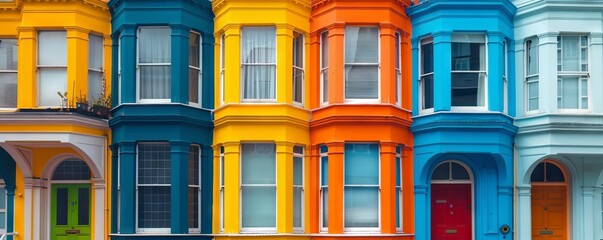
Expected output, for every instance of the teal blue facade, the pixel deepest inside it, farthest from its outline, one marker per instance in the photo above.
(175, 121)
(447, 128)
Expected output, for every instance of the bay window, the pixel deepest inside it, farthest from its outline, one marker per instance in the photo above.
(258, 187)
(95, 67)
(468, 70)
(298, 188)
(153, 187)
(194, 188)
(572, 72)
(8, 73)
(154, 64)
(531, 79)
(324, 188)
(194, 69)
(426, 74)
(52, 67)
(324, 67)
(361, 187)
(258, 63)
(361, 63)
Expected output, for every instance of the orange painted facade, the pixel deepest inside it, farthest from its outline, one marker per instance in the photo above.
(386, 120)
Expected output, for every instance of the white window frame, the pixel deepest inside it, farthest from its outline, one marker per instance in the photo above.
(4, 210)
(580, 74)
(222, 189)
(100, 70)
(505, 77)
(422, 109)
(377, 64)
(39, 66)
(147, 230)
(260, 100)
(322, 188)
(198, 186)
(222, 66)
(303, 194)
(119, 61)
(257, 229)
(531, 78)
(398, 69)
(324, 70)
(199, 102)
(16, 79)
(138, 64)
(400, 203)
(363, 229)
(299, 68)
(118, 193)
(485, 72)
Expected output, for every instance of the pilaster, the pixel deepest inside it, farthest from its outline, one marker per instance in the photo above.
(179, 153)
(441, 71)
(77, 63)
(127, 62)
(180, 61)
(27, 83)
(127, 200)
(284, 190)
(336, 203)
(231, 187)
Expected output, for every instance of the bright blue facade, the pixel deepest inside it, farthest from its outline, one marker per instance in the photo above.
(174, 121)
(480, 137)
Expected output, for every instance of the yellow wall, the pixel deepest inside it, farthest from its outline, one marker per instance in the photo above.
(278, 122)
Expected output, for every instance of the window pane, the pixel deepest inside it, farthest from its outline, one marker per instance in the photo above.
(361, 207)
(361, 82)
(52, 48)
(538, 173)
(441, 172)
(468, 56)
(193, 207)
(154, 45)
(154, 207)
(194, 50)
(427, 58)
(570, 49)
(8, 90)
(62, 206)
(427, 91)
(324, 41)
(258, 46)
(298, 77)
(468, 89)
(569, 92)
(72, 170)
(532, 57)
(95, 85)
(324, 171)
(2, 198)
(259, 81)
(297, 206)
(258, 163)
(83, 206)
(155, 82)
(361, 45)
(2, 220)
(298, 172)
(193, 165)
(459, 172)
(553, 173)
(154, 164)
(398, 203)
(193, 85)
(298, 50)
(8, 54)
(532, 94)
(362, 164)
(258, 206)
(325, 207)
(52, 80)
(95, 51)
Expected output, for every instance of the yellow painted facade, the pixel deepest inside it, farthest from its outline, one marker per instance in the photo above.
(280, 122)
(38, 142)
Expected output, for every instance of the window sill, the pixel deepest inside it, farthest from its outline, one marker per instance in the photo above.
(154, 101)
(468, 109)
(362, 101)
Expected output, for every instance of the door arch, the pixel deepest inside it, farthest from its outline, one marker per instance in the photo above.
(549, 201)
(71, 201)
(451, 201)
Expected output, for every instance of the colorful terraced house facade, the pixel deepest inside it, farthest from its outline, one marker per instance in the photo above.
(53, 161)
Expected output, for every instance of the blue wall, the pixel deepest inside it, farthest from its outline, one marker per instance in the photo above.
(176, 123)
(481, 139)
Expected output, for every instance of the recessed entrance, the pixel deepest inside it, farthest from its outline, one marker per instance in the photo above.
(549, 202)
(71, 201)
(451, 202)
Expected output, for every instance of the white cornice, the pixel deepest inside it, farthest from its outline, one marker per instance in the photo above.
(52, 119)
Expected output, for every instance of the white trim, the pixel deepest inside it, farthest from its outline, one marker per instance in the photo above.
(531, 78)
(200, 75)
(303, 194)
(398, 69)
(222, 189)
(300, 68)
(377, 64)
(505, 77)
(323, 69)
(222, 67)
(321, 189)
(422, 110)
(400, 191)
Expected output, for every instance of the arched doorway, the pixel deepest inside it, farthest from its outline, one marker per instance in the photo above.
(451, 202)
(71, 201)
(549, 202)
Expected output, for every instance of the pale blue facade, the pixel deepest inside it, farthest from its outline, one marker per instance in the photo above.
(464, 106)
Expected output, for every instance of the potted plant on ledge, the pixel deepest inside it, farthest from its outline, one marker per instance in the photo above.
(102, 105)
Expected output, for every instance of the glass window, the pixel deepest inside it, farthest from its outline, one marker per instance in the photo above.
(324, 187)
(572, 70)
(505, 77)
(222, 189)
(154, 64)
(8, 73)
(361, 63)
(194, 188)
(361, 186)
(118, 88)
(426, 83)
(547, 172)
(258, 63)
(298, 67)
(298, 187)
(324, 67)
(95, 68)
(153, 186)
(449, 171)
(194, 68)
(2, 207)
(222, 64)
(399, 188)
(398, 69)
(468, 70)
(258, 186)
(72, 169)
(52, 67)
(531, 50)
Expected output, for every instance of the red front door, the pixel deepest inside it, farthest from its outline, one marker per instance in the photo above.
(451, 212)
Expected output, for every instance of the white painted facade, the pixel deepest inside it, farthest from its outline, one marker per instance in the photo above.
(572, 137)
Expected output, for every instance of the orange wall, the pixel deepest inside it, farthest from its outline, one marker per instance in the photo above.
(382, 122)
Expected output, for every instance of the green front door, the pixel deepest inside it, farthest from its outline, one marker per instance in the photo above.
(70, 207)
